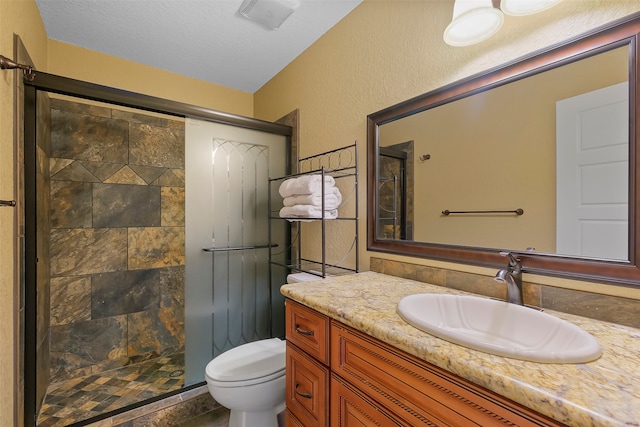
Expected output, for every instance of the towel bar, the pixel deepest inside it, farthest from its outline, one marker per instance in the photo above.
(448, 212)
(239, 248)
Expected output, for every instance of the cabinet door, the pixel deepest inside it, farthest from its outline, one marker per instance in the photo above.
(291, 420)
(307, 389)
(418, 393)
(309, 330)
(350, 409)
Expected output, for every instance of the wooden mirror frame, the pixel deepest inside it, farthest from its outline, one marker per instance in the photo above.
(625, 32)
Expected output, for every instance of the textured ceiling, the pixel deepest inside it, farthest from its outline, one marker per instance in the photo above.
(203, 39)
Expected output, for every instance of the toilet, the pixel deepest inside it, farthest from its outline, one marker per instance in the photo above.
(249, 379)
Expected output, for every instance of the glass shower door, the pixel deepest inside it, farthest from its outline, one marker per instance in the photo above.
(232, 294)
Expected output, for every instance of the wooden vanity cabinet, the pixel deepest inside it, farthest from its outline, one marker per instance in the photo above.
(370, 383)
(307, 374)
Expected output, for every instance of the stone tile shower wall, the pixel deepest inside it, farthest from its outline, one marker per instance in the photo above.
(117, 238)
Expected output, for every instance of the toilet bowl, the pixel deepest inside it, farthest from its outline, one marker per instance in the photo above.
(249, 380)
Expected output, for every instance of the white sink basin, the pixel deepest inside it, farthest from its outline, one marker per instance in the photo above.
(499, 328)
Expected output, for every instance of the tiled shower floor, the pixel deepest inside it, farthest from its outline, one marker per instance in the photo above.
(85, 397)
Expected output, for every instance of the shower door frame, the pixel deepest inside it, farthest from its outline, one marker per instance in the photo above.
(80, 89)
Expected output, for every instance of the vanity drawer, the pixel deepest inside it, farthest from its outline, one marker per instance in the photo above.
(309, 330)
(350, 408)
(307, 394)
(417, 392)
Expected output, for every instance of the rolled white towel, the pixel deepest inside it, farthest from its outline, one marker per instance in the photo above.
(305, 184)
(307, 211)
(332, 199)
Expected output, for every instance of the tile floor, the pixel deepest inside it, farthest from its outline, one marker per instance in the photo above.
(85, 397)
(217, 418)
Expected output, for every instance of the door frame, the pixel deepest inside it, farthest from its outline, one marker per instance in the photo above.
(65, 86)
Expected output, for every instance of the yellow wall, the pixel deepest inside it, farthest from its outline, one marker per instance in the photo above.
(19, 17)
(91, 66)
(384, 52)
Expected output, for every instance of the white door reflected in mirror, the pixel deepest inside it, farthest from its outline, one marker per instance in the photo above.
(592, 166)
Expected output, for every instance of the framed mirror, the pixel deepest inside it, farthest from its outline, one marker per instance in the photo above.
(537, 157)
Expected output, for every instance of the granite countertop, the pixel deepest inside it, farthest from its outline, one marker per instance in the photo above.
(605, 392)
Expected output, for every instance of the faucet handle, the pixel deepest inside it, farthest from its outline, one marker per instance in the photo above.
(513, 260)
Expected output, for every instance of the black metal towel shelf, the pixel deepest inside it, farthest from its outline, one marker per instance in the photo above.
(239, 248)
(448, 212)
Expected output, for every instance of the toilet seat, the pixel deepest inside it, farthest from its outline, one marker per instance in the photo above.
(252, 363)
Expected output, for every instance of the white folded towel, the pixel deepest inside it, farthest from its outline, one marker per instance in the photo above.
(305, 184)
(332, 199)
(307, 211)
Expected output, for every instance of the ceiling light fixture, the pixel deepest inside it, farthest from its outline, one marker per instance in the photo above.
(526, 7)
(477, 20)
(268, 13)
(473, 21)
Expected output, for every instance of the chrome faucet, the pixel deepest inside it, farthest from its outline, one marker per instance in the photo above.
(512, 276)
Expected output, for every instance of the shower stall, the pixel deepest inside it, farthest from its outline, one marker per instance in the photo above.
(150, 239)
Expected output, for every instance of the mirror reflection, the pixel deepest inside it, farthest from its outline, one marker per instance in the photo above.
(554, 145)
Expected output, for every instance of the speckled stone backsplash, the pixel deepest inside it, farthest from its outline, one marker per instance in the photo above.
(607, 308)
(117, 238)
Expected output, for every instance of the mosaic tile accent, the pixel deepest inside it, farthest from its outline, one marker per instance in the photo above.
(56, 165)
(85, 397)
(170, 178)
(125, 176)
(148, 173)
(101, 170)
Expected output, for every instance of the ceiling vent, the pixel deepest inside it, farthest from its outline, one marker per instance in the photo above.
(268, 13)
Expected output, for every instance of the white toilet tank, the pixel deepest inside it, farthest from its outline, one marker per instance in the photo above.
(303, 277)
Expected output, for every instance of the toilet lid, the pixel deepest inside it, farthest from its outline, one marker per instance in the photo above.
(249, 361)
